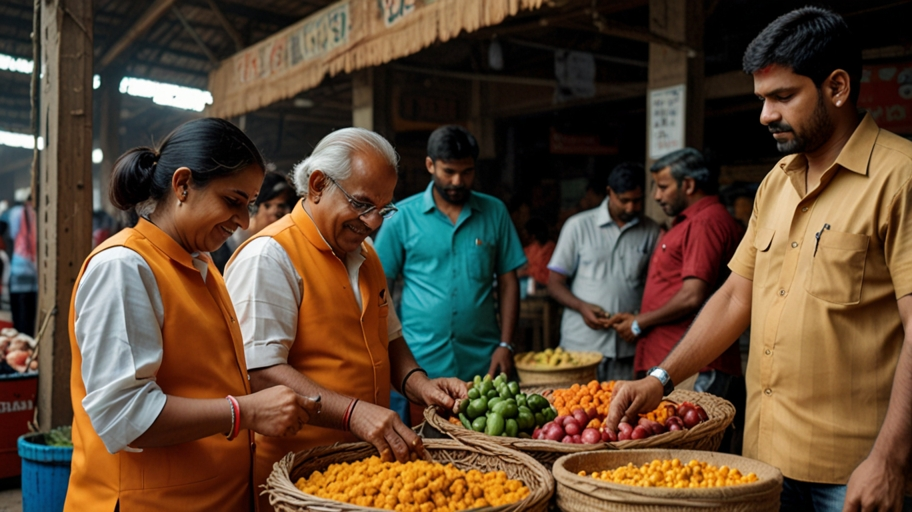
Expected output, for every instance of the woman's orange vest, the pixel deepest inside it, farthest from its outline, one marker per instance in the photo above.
(203, 357)
(338, 346)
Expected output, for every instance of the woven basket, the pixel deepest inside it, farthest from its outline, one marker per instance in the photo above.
(285, 497)
(577, 494)
(705, 436)
(530, 374)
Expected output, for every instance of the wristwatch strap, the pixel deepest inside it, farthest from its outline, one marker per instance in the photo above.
(664, 378)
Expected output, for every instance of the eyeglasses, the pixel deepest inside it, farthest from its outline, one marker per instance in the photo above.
(363, 208)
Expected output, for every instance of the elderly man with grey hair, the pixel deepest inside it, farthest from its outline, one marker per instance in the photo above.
(312, 304)
(687, 266)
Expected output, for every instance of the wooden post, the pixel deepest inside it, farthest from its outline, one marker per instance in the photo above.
(679, 21)
(109, 134)
(64, 196)
(371, 101)
(481, 122)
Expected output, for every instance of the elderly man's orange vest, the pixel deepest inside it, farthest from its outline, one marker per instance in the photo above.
(203, 357)
(337, 345)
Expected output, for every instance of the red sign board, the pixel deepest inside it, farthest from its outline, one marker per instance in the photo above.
(886, 92)
(579, 144)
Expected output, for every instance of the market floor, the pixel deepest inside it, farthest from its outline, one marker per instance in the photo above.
(11, 500)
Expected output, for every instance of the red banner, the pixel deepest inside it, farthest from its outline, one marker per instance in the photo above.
(886, 92)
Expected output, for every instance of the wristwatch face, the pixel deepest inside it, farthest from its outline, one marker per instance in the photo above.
(664, 379)
(660, 374)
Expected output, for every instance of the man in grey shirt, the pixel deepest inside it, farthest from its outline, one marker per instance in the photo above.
(599, 268)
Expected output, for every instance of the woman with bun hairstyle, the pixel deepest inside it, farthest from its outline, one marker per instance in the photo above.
(276, 198)
(163, 411)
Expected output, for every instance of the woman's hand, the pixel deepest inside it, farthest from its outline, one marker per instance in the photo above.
(276, 411)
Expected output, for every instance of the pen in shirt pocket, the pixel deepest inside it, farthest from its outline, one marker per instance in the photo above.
(817, 235)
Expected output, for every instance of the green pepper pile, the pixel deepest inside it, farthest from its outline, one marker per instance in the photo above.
(498, 408)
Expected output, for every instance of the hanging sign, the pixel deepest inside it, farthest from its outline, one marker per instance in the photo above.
(666, 120)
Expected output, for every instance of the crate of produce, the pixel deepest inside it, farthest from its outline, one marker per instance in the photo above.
(704, 429)
(537, 484)
(18, 397)
(659, 480)
(556, 366)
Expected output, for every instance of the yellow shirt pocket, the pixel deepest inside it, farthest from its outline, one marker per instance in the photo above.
(837, 270)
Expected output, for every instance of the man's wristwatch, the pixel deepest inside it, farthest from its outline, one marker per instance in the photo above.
(635, 328)
(505, 345)
(664, 378)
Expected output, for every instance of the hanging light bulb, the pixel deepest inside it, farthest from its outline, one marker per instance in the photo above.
(495, 55)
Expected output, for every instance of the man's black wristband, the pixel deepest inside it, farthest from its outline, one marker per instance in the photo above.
(409, 374)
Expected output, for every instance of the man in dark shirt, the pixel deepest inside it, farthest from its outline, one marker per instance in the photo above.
(688, 265)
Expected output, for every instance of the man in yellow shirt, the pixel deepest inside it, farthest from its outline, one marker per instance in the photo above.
(824, 278)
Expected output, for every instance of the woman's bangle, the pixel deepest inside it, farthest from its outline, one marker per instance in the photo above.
(346, 418)
(406, 378)
(235, 417)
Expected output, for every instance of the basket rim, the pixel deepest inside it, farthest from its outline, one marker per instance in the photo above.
(705, 429)
(280, 485)
(773, 476)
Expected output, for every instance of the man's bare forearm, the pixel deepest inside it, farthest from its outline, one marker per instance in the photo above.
(508, 288)
(333, 404)
(723, 319)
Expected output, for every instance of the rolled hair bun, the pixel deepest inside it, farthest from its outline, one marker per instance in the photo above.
(131, 182)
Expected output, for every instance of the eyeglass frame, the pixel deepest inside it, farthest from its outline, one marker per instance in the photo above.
(385, 212)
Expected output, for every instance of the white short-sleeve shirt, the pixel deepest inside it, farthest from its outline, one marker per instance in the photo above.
(266, 290)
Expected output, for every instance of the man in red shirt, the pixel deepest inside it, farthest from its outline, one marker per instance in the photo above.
(688, 265)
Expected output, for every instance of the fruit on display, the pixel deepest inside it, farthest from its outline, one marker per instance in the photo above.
(498, 408)
(674, 474)
(418, 486)
(582, 411)
(555, 358)
(17, 352)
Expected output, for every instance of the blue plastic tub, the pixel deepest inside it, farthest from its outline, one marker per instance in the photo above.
(45, 474)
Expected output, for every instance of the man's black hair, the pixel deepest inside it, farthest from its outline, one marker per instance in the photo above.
(452, 142)
(813, 42)
(626, 177)
(688, 163)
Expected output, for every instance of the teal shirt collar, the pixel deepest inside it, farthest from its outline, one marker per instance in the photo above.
(429, 204)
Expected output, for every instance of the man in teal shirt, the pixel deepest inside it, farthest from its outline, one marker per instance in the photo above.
(450, 244)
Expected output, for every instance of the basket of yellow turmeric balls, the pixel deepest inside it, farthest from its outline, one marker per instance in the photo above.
(353, 477)
(662, 480)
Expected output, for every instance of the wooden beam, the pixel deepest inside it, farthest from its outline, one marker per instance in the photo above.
(63, 191)
(109, 134)
(503, 79)
(229, 28)
(727, 85)
(597, 56)
(545, 101)
(196, 37)
(144, 23)
(680, 21)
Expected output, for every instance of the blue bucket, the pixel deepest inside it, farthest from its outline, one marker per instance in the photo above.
(45, 473)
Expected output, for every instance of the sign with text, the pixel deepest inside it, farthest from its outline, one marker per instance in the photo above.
(342, 37)
(395, 10)
(315, 37)
(666, 120)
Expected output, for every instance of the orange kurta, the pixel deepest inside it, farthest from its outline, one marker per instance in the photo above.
(339, 346)
(203, 357)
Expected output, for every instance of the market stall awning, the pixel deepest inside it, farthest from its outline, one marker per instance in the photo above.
(345, 36)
